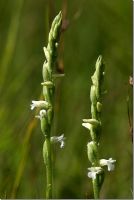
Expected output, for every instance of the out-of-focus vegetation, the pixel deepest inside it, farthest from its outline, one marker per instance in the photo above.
(92, 28)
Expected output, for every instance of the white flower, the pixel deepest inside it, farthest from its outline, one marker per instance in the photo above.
(60, 139)
(41, 104)
(93, 171)
(87, 125)
(42, 114)
(110, 163)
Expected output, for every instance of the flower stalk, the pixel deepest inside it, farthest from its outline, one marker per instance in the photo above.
(48, 93)
(47, 105)
(96, 172)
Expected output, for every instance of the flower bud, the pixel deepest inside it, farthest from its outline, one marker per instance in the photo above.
(45, 72)
(50, 115)
(92, 152)
(44, 125)
(99, 106)
(44, 122)
(94, 122)
(93, 95)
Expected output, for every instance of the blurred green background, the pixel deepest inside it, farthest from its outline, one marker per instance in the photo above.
(90, 28)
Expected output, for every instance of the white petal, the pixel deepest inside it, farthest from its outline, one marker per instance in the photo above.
(93, 171)
(38, 104)
(92, 175)
(111, 167)
(32, 106)
(103, 162)
(60, 139)
(62, 144)
(110, 163)
(87, 125)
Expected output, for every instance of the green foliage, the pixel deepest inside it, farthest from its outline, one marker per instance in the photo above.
(94, 27)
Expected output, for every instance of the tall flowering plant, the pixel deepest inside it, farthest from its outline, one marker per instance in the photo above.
(96, 171)
(46, 106)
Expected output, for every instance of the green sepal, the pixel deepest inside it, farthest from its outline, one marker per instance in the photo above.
(92, 153)
(57, 27)
(93, 111)
(44, 125)
(99, 106)
(46, 93)
(98, 75)
(50, 115)
(99, 72)
(93, 95)
(45, 72)
(101, 177)
(95, 133)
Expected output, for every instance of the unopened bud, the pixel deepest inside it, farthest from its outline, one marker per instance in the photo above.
(99, 106)
(45, 71)
(92, 152)
(93, 94)
(94, 122)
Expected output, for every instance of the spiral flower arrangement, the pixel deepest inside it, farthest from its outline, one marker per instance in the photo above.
(47, 105)
(96, 171)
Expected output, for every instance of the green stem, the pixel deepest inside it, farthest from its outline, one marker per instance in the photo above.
(49, 169)
(48, 93)
(96, 187)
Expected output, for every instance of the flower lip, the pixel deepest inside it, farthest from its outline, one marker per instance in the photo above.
(42, 114)
(60, 139)
(110, 163)
(40, 104)
(93, 171)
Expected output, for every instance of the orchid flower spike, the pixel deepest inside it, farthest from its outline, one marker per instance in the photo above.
(93, 171)
(40, 104)
(110, 163)
(60, 139)
(42, 114)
